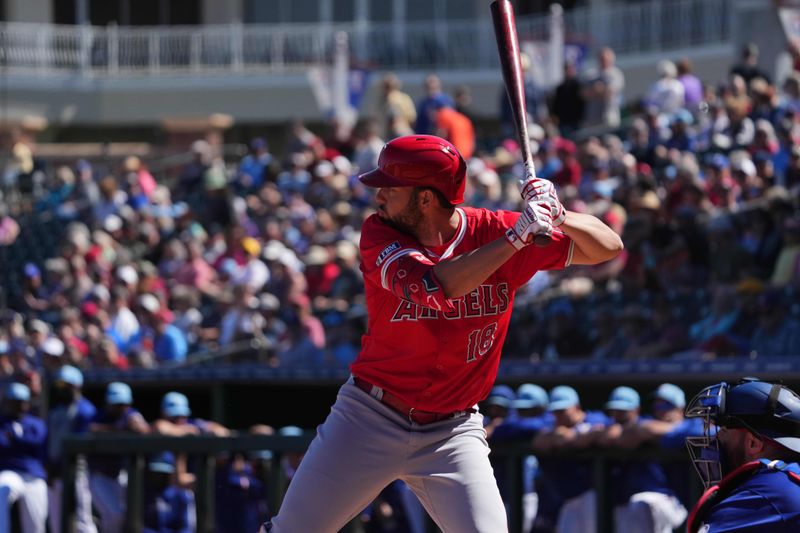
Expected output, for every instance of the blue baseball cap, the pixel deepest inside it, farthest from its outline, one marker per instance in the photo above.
(163, 462)
(175, 404)
(671, 394)
(290, 431)
(530, 396)
(563, 397)
(31, 270)
(119, 393)
(70, 374)
(623, 399)
(501, 395)
(18, 392)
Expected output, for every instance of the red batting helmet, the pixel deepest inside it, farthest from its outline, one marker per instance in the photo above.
(420, 161)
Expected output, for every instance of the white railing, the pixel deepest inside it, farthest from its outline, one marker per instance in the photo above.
(656, 25)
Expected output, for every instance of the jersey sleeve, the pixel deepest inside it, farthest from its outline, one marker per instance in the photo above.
(532, 258)
(393, 260)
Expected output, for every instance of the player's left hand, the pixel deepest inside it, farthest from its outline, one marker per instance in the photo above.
(538, 190)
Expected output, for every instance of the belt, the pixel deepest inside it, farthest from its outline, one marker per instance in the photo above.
(420, 417)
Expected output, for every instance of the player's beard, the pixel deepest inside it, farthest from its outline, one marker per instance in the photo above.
(407, 220)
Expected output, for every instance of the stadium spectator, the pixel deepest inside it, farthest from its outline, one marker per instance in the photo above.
(667, 94)
(23, 477)
(603, 91)
(568, 101)
(397, 109)
(692, 86)
(747, 67)
(433, 99)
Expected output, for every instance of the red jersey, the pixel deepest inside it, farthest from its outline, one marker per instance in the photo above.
(441, 360)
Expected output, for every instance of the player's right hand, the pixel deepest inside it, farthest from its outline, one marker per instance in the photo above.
(539, 190)
(534, 220)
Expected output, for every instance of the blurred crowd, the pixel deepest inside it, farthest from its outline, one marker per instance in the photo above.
(114, 267)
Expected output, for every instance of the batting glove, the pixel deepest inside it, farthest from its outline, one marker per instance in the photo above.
(538, 190)
(534, 220)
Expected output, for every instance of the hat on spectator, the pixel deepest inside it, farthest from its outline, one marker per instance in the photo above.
(165, 315)
(70, 375)
(128, 274)
(31, 270)
(53, 347)
(530, 396)
(317, 255)
(258, 143)
(623, 399)
(716, 161)
(269, 302)
(18, 392)
(671, 394)
(682, 116)
(324, 169)
(745, 166)
(563, 397)
(112, 223)
(149, 303)
(251, 246)
(163, 462)
(564, 145)
(38, 326)
(501, 395)
(175, 404)
(650, 200)
(118, 393)
(346, 250)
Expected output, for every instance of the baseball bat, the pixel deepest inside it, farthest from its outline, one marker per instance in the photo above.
(505, 30)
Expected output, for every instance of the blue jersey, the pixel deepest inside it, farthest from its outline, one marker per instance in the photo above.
(240, 500)
(563, 479)
(768, 501)
(519, 428)
(63, 420)
(22, 445)
(170, 510)
(109, 465)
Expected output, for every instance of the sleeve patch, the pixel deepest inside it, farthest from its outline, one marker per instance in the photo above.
(387, 252)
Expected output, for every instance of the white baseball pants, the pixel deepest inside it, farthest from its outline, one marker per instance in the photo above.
(108, 495)
(31, 492)
(83, 503)
(363, 445)
(649, 512)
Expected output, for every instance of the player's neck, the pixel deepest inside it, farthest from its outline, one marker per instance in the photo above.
(439, 228)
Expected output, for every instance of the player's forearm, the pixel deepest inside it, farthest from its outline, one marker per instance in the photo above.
(594, 241)
(462, 274)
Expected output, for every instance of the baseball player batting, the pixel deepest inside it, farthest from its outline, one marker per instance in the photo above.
(440, 283)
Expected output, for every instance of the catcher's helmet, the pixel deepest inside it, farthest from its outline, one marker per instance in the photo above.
(420, 161)
(768, 410)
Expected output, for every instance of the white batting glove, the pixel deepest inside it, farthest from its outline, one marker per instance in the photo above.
(538, 190)
(534, 220)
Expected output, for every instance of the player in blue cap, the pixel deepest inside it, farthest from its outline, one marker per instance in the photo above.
(531, 417)
(565, 487)
(643, 497)
(747, 458)
(497, 407)
(22, 453)
(167, 507)
(118, 416)
(69, 413)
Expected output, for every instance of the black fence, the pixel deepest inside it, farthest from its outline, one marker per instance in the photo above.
(205, 449)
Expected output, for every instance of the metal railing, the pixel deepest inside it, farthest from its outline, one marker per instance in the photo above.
(205, 449)
(47, 49)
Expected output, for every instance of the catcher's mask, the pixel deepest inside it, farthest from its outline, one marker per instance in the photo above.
(768, 410)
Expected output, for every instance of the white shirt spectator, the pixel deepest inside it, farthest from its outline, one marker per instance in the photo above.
(125, 324)
(254, 274)
(667, 94)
